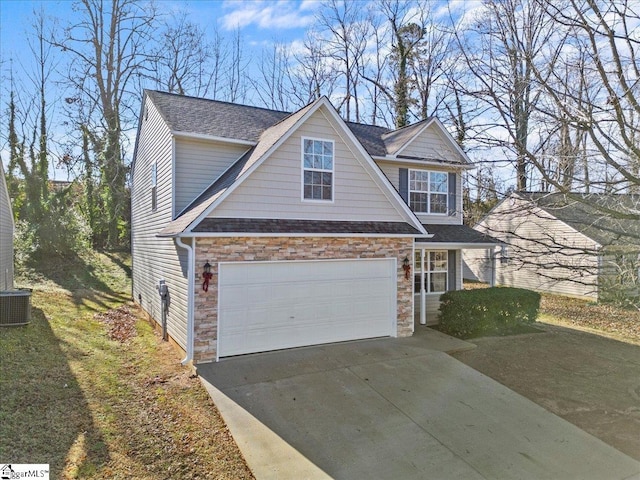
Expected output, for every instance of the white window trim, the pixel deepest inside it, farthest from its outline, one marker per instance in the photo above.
(154, 173)
(332, 171)
(425, 274)
(428, 192)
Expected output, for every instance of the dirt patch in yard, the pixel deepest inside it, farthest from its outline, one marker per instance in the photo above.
(587, 379)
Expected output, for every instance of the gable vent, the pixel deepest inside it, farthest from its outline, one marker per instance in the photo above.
(15, 307)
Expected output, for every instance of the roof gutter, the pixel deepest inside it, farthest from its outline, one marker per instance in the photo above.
(213, 138)
(190, 297)
(424, 162)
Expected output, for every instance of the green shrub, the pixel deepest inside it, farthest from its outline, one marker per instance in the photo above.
(473, 313)
(61, 233)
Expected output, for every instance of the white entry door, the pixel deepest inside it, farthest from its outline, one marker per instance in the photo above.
(275, 305)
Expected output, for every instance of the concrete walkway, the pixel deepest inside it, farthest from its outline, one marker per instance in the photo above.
(395, 408)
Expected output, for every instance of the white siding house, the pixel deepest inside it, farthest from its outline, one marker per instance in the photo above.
(561, 244)
(6, 235)
(275, 230)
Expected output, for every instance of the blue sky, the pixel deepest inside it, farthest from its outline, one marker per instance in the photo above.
(260, 21)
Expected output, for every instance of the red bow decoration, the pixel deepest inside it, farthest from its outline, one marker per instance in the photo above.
(205, 284)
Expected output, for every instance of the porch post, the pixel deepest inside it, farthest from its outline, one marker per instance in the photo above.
(423, 293)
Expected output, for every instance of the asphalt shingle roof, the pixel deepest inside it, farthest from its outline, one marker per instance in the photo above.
(242, 122)
(198, 116)
(262, 225)
(456, 234)
(212, 117)
(612, 220)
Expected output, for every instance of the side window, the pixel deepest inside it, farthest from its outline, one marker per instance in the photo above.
(154, 186)
(317, 169)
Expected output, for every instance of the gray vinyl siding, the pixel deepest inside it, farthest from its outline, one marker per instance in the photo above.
(392, 171)
(543, 253)
(431, 144)
(156, 258)
(477, 265)
(198, 163)
(275, 188)
(6, 236)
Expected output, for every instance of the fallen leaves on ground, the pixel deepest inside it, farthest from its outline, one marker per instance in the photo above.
(121, 323)
(585, 314)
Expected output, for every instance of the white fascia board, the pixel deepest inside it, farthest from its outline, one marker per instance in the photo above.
(425, 163)
(454, 246)
(388, 189)
(446, 134)
(213, 138)
(291, 235)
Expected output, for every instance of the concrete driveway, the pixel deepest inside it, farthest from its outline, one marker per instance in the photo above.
(395, 409)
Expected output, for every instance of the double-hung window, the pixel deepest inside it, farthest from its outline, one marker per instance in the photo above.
(317, 169)
(428, 191)
(436, 270)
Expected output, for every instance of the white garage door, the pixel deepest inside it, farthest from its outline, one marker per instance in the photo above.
(273, 305)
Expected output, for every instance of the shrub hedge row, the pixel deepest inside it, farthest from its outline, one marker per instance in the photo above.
(473, 313)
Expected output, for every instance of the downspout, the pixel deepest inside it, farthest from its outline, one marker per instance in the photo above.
(190, 297)
(423, 292)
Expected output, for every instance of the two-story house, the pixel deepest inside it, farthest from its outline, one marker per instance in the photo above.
(256, 230)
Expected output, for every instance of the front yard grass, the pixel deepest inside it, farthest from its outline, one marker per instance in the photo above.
(92, 406)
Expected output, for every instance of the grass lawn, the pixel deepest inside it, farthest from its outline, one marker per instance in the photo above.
(95, 405)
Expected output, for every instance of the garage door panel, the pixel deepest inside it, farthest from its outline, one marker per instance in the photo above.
(269, 306)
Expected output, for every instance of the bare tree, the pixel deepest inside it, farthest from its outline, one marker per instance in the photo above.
(272, 85)
(345, 45)
(109, 49)
(511, 37)
(184, 61)
(600, 99)
(311, 72)
(236, 87)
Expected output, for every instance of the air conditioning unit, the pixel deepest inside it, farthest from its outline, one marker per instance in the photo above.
(15, 307)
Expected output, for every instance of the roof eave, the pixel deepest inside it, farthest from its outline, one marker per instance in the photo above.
(430, 163)
(212, 138)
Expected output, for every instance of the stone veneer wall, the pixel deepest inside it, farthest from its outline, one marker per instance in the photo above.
(239, 249)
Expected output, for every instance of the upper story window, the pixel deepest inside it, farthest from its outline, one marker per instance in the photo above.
(317, 169)
(428, 191)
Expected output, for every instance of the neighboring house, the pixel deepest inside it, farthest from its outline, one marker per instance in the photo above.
(6, 236)
(583, 245)
(274, 230)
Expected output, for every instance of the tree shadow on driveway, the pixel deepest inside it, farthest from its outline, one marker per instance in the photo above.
(589, 380)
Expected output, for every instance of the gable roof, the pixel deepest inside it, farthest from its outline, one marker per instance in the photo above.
(214, 118)
(269, 139)
(207, 198)
(395, 140)
(612, 220)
